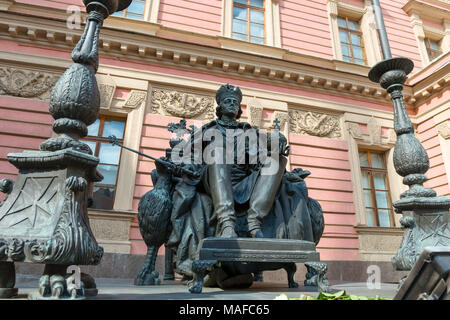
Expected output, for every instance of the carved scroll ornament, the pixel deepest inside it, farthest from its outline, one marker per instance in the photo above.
(183, 105)
(314, 124)
(25, 83)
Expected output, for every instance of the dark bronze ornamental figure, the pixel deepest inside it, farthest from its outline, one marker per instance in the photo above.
(44, 219)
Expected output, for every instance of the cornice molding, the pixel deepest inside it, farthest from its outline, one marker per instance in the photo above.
(117, 41)
(5, 4)
(363, 229)
(423, 89)
(432, 9)
(139, 47)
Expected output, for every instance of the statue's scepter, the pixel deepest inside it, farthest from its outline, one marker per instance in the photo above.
(177, 168)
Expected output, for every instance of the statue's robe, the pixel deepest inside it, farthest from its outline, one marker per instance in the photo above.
(293, 214)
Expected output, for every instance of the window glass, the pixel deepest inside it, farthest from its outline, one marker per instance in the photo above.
(434, 45)
(257, 30)
(239, 36)
(384, 218)
(109, 174)
(433, 48)
(353, 25)
(240, 27)
(136, 6)
(382, 199)
(343, 36)
(377, 160)
(257, 40)
(113, 128)
(345, 50)
(368, 198)
(363, 159)
(248, 21)
(358, 53)
(379, 180)
(365, 180)
(93, 128)
(356, 39)
(257, 17)
(103, 198)
(135, 10)
(109, 158)
(375, 185)
(109, 153)
(257, 3)
(350, 37)
(240, 13)
(342, 23)
(370, 218)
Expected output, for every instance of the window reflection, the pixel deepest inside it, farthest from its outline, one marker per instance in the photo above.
(248, 21)
(377, 200)
(109, 158)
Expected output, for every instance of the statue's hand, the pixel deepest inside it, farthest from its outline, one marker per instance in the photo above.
(284, 148)
(161, 165)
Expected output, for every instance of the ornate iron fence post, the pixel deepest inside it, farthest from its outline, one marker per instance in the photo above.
(44, 219)
(425, 216)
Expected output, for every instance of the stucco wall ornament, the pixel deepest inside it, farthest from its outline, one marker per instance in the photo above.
(106, 88)
(314, 124)
(25, 83)
(374, 129)
(255, 115)
(283, 117)
(354, 130)
(444, 129)
(135, 99)
(183, 105)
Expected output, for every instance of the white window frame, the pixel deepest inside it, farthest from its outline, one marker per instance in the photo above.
(151, 11)
(271, 19)
(366, 19)
(420, 10)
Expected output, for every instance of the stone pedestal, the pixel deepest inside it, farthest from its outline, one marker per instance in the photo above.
(44, 219)
(423, 228)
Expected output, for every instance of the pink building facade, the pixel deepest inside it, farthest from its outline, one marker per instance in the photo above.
(304, 62)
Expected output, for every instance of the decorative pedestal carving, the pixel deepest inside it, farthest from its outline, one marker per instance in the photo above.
(252, 255)
(44, 219)
(423, 228)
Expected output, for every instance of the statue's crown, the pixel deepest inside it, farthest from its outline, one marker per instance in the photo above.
(228, 90)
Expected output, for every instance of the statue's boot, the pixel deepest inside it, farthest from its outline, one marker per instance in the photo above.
(263, 196)
(219, 178)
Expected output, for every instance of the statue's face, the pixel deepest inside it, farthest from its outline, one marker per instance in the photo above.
(230, 107)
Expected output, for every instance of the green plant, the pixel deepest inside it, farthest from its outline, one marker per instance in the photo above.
(340, 295)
